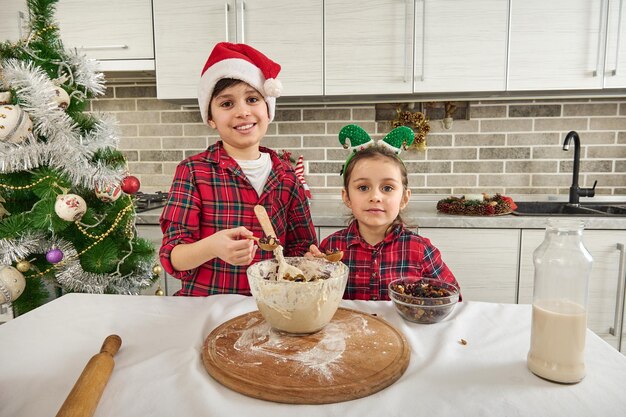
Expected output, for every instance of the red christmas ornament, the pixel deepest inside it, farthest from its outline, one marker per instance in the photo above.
(130, 185)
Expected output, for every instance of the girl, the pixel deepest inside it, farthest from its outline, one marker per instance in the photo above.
(210, 209)
(377, 246)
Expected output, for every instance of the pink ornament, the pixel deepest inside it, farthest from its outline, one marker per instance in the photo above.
(130, 184)
(54, 256)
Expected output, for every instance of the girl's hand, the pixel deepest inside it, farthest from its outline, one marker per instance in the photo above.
(313, 252)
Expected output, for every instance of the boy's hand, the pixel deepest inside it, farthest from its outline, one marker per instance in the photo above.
(231, 246)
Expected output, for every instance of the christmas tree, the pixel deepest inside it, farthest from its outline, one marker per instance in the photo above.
(67, 219)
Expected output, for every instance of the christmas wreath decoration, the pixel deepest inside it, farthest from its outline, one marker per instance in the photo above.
(484, 205)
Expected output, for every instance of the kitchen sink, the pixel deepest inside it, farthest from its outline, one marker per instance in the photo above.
(552, 208)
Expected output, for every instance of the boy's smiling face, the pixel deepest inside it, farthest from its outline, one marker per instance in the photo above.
(239, 113)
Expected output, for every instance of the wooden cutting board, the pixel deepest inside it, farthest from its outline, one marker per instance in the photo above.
(355, 355)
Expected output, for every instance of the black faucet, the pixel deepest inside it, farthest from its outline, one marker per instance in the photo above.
(575, 192)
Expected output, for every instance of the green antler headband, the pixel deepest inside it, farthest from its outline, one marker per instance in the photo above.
(397, 140)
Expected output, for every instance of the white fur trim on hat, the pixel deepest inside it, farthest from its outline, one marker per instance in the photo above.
(238, 69)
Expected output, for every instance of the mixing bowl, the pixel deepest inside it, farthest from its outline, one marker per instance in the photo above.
(298, 307)
(423, 300)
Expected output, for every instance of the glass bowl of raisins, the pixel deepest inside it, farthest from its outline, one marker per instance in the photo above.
(423, 300)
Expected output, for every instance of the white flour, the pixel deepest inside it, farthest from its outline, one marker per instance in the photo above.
(322, 359)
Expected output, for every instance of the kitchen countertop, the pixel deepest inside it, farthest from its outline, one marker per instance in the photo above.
(422, 212)
(159, 371)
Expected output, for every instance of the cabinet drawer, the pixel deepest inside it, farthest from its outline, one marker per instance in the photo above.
(484, 261)
(111, 30)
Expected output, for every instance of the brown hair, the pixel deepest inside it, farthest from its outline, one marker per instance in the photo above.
(376, 152)
(220, 86)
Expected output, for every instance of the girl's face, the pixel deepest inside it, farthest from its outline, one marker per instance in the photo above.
(375, 193)
(240, 116)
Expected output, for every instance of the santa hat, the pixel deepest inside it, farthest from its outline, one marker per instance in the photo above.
(241, 62)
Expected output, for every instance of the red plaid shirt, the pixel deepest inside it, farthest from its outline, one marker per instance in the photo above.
(402, 253)
(210, 193)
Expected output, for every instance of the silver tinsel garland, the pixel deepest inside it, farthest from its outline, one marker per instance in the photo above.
(86, 73)
(70, 274)
(65, 148)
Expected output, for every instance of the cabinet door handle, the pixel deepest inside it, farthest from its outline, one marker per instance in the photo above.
(595, 72)
(226, 10)
(616, 330)
(421, 78)
(242, 5)
(619, 33)
(21, 17)
(408, 43)
(100, 47)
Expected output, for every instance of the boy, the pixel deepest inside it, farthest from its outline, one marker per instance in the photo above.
(210, 209)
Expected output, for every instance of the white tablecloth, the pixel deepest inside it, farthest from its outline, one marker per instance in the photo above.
(159, 370)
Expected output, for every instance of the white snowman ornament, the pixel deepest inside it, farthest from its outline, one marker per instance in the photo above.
(15, 125)
(12, 284)
(70, 207)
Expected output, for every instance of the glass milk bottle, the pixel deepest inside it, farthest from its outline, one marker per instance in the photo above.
(559, 317)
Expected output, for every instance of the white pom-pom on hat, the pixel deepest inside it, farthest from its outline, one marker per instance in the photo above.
(273, 87)
(241, 62)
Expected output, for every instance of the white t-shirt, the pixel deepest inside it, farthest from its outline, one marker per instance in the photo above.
(257, 171)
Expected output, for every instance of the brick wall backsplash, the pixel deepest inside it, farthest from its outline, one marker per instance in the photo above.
(512, 147)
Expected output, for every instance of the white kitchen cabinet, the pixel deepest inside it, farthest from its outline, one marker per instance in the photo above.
(460, 45)
(168, 283)
(288, 32)
(118, 33)
(484, 261)
(324, 232)
(606, 273)
(13, 20)
(615, 58)
(368, 46)
(184, 34)
(556, 45)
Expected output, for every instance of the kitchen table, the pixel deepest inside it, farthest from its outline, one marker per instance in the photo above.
(159, 370)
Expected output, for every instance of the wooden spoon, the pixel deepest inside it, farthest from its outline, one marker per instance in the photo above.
(268, 243)
(283, 267)
(333, 255)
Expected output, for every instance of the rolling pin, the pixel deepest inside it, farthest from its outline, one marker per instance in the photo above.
(84, 397)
